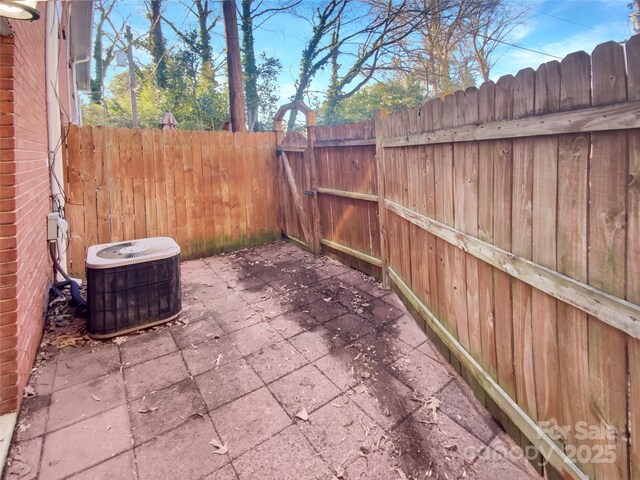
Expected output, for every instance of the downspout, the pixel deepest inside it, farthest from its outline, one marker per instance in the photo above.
(54, 129)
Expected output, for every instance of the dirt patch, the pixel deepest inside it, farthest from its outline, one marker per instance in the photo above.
(352, 315)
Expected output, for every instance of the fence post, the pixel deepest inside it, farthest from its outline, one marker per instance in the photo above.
(311, 159)
(382, 212)
(277, 130)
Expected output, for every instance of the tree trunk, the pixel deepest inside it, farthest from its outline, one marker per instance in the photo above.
(158, 47)
(249, 64)
(234, 67)
(98, 81)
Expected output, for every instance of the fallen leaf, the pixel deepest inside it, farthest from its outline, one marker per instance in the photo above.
(95, 397)
(218, 360)
(432, 405)
(328, 299)
(120, 340)
(147, 409)
(221, 448)
(401, 474)
(365, 374)
(29, 391)
(303, 415)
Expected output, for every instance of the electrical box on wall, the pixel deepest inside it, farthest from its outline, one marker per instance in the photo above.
(52, 225)
(57, 226)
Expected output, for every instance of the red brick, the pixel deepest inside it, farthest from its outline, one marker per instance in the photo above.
(10, 405)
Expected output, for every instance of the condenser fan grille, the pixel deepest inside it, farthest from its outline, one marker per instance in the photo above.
(126, 250)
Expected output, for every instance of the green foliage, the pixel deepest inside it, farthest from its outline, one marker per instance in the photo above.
(191, 94)
(393, 94)
(267, 88)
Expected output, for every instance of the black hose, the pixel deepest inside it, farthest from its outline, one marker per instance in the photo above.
(76, 296)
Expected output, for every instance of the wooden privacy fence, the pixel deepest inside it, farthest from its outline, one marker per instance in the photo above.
(210, 191)
(508, 217)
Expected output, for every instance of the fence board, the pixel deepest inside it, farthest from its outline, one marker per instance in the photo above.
(573, 161)
(607, 174)
(125, 184)
(159, 190)
(486, 100)
(128, 208)
(137, 184)
(633, 253)
(148, 179)
(102, 183)
(87, 172)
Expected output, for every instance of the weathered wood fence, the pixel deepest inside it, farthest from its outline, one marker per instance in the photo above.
(508, 217)
(211, 191)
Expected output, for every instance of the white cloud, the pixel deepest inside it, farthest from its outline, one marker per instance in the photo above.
(515, 59)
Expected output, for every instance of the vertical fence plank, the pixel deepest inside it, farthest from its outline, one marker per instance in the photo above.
(470, 224)
(181, 147)
(486, 112)
(521, 245)
(416, 170)
(208, 205)
(573, 162)
(137, 169)
(128, 212)
(216, 188)
(229, 229)
(502, 193)
(633, 253)
(545, 185)
(102, 187)
(192, 155)
(170, 165)
(607, 198)
(149, 184)
(200, 189)
(114, 182)
(90, 218)
(460, 201)
(160, 184)
(74, 204)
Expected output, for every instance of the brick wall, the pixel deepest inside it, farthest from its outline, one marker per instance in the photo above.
(25, 270)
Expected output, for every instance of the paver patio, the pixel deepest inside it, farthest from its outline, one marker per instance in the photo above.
(264, 335)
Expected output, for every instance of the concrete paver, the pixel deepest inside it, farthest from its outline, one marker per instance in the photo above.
(85, 444)
(121, 467)
(163, 410)
(306, 388)
(226, 383)
(146, 347)
(184, 452)
(263, 334)
(24, 460)
(79, 366)
(84, 400)
(276, 361)
(154, 375)
(286, 456)
(210, 354)
(249, 421)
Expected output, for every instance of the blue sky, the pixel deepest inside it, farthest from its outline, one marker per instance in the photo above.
(555, 27)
